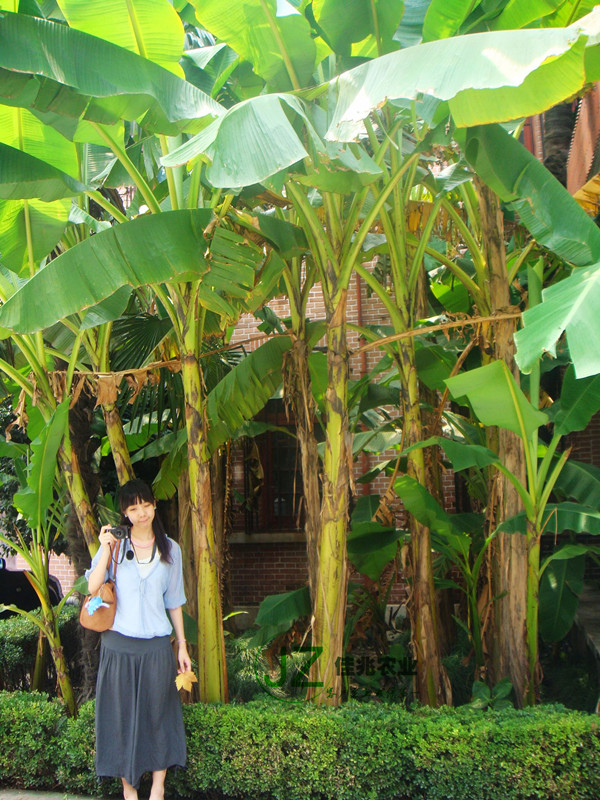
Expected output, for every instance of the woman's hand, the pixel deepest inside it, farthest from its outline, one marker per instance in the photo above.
(183, 659)
(106, 539)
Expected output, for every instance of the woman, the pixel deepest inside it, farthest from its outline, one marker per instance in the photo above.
(139, 723)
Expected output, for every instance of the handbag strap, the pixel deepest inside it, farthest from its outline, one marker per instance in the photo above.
(113, 561)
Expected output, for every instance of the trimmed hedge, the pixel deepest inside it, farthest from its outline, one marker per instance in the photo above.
(276, 751)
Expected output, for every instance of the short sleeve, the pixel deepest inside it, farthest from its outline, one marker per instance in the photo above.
(95, 560)
(174, 595)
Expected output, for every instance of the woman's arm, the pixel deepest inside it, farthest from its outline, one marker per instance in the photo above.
(183, 659)
(98, 574)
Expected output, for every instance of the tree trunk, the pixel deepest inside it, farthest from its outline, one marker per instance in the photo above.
(329, 609)
(212, 677)
(69, 464)
(507, 635)
(298, 391)
(118, 443)
(433, 686)
(190, 582)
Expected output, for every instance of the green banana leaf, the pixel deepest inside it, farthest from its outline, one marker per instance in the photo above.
(34, 501)
(559, 517)
(245, 390)
(249, 143)
(560, 586)
(48, 166)
(496, 76)
(278, 612)
(78, 75)
(462, 455)
(42, 223)
(519, 80)
(544, 206)
(496, 399)
(371, 546)
(445, 17)
(346, 23)
(571, 307)
(519, 15)
(423, 506)
(271, 34)
(149, 249)
(150, 28)
(565, 12)
(579, 401)
(22, 176)
(579, 481)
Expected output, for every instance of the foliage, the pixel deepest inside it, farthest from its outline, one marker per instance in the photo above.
(266, 750)
(18, 645)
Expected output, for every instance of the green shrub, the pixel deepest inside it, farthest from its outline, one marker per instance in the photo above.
(272, 750)
(18, 645)
(30, 727)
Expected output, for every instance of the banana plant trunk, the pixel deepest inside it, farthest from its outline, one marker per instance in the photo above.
(60, 662)
(433, 685)
(69, 465)
(49, 624)
(508, 555)
(533, 582)
(329, 609)
(212, 678)
(298, 392)
(118, 443)
(39, 670)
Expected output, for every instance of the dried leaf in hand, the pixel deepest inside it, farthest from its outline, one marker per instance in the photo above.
(185, 680)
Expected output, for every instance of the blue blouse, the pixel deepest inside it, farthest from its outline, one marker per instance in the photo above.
(142, 602)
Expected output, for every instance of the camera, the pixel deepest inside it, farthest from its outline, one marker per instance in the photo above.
(120, 531)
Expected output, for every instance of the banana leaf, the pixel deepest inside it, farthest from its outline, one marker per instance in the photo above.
(249, 143)
(22, 176)
(34, 501)
(278, 612)
(579, 481)
(47, 66)
(579, 401)
(245, 390)
(544, 206)
(349, 26)
(149, 249)
(559, 517)
(496, 76)
(571, 307)
(560, 586)
(271, 34)
(150, 28)
(496, 399)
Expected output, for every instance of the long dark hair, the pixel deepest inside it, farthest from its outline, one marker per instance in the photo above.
(136, 491)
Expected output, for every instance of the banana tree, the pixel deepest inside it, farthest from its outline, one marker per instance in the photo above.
(162, 101)
(41, 506)
(495, 399)
(357, 93)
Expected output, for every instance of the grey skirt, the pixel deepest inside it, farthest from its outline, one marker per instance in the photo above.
(139, 722)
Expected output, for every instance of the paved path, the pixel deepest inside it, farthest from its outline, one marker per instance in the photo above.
(29, 794)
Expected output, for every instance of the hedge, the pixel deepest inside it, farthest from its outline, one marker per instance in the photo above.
(278, 751)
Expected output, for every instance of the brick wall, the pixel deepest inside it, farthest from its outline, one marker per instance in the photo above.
(60, 566)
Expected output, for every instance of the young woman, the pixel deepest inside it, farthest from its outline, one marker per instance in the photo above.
(139, 723)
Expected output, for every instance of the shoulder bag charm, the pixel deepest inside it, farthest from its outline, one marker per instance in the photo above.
(98, 610)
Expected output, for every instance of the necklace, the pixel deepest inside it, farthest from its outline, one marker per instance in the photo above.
(143, 546)
(147, 560)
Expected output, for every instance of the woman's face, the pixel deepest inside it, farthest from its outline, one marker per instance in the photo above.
(141, 513)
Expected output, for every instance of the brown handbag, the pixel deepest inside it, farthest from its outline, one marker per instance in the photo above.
(101, 614)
